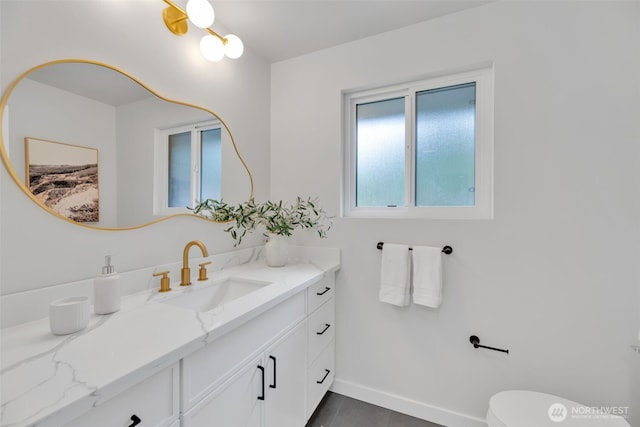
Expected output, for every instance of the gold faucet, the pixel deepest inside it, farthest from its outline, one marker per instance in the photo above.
(186, 271)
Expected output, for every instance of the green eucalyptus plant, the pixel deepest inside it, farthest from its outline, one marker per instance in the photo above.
(276, 217)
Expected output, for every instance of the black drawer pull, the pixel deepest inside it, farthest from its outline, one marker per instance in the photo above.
(326, 289)
(136, 420)
(261, 370)
(274, 372)
(326, 326)
(327, 372)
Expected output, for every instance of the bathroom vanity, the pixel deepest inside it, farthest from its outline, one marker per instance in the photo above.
(251, 346)
(247, 345)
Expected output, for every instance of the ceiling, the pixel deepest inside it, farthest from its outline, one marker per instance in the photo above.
(279, 30)
(91, 81)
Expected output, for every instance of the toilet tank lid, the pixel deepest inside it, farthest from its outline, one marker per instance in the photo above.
(523, 408)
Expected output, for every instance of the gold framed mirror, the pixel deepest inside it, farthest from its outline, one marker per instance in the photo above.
(94, 146)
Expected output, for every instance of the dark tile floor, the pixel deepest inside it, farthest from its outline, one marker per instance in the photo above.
(336, 410)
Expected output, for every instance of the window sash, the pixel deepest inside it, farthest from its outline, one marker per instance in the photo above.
(389, 151)
(179, 174)
(444, 158)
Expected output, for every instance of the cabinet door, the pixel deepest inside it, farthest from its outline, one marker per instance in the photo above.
(285, 376)
(235, 404)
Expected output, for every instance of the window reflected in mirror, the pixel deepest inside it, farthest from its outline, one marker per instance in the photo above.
(190, 168)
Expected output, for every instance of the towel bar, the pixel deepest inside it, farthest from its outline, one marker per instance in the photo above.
(447, 249)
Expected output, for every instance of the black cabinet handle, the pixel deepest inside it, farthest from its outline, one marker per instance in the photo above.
(274, 372)
(261, 370)
(327, 372)
(326, 289)
(136, 420)
(326, 326)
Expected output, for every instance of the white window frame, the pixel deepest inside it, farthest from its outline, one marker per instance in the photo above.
(161, 165)
(483, 208)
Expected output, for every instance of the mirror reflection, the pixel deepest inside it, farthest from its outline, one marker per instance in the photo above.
(94, 146)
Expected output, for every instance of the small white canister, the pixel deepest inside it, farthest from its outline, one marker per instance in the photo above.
(68, 315)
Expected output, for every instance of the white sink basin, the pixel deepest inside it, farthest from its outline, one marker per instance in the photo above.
(215, 294)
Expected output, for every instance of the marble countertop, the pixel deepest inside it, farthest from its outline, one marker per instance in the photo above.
(48, 379)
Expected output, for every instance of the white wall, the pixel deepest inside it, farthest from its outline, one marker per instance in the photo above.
(554, 276)
(38, 249)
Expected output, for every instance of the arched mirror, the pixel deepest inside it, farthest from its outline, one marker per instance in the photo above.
(93, 145)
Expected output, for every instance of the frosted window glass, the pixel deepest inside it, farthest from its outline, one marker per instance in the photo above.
(380, 153)
(445, 146)
(210, 164)
(179, 170)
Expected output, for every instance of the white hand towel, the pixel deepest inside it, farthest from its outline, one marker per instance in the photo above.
(427, 276)
(394, 275)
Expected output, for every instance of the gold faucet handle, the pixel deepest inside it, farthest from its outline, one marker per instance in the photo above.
(202, 273)
(164, 281)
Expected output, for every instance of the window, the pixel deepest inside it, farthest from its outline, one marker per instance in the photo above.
(188, 163)
(421, 150)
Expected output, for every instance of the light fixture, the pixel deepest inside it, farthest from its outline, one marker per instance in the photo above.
(200, 12)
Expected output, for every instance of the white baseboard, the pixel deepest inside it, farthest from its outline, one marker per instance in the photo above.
(406, 406)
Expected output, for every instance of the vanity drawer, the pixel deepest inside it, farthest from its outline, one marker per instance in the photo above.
(321, 329)
(154, 402)
(320, 377)
(207, 368)
(320, 292)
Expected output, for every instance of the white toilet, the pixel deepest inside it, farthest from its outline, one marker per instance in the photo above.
(520, 408)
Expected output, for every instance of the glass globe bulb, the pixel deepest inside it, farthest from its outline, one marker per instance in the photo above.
(212, 48)
(200, 13)
(234, 47)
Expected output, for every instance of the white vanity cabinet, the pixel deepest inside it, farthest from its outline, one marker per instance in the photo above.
(208, 368)
(270, 372)
(153, 402)
(268, 391)
(252, 376)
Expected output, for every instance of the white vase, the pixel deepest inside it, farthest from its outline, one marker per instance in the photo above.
(276, 250)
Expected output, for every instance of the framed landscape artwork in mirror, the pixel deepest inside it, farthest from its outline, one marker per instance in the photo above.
(64, 178)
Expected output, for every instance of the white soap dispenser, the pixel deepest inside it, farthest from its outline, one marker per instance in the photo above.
(106, 289)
